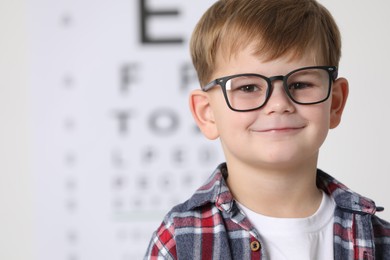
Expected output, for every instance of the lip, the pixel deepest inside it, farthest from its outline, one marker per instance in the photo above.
(279, 129)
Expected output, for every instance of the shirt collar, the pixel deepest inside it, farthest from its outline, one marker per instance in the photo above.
(216, 191)
(344, 197)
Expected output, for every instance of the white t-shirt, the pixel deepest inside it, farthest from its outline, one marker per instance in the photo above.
(297, 238)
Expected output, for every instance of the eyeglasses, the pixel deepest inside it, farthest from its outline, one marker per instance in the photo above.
(304, 86)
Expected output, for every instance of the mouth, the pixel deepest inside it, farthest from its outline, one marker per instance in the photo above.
(283, 129)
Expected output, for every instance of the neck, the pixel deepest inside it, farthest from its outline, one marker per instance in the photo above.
(280, 193)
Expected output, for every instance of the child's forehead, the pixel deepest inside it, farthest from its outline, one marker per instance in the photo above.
(248, 55)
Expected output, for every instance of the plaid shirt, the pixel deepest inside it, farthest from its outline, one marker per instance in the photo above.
(210, 225)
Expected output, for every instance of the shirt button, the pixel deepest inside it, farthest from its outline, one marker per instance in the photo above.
(255, 246)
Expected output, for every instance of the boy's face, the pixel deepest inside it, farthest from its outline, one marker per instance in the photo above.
(281, 133)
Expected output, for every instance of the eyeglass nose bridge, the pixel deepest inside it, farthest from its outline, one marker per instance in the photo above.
(271, 87)
(275, 78)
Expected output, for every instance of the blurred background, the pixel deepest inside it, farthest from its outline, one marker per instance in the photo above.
(96, 140)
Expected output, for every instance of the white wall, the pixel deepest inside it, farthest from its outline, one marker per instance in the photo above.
(357, 151)
(15, 183)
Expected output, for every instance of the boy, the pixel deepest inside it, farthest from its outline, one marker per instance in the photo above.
(270, 93)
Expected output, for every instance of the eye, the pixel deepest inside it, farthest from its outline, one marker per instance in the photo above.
(249, 88)
(300, 85)
(246, 85)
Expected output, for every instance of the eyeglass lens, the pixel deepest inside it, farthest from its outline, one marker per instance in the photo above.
(303, 86)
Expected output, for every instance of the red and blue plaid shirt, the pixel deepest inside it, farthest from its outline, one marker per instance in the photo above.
(210, 225)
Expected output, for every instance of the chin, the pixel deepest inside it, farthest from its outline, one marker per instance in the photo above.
(282, 161)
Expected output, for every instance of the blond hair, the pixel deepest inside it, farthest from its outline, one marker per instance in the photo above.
(276, 27)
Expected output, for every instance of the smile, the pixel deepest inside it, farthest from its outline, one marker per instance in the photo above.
(286, 129)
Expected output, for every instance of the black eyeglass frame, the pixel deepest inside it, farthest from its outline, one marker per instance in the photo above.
(332, 71)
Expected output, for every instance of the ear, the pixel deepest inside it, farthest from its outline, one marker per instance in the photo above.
(201, 111)
(340, 92)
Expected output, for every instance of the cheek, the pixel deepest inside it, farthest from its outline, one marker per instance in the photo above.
(326, 114)
(231, 124)
(319, 118)
(225, 118)
(318, 114)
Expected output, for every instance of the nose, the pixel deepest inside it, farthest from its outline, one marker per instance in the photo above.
(279, 101)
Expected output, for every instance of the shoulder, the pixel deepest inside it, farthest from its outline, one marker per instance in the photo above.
(178, 230)
(358, 213)
(381, 230)
(163, 241)
(185, 219)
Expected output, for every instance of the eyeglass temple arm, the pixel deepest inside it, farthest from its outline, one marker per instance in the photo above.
(334, 72)
(210, 85)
